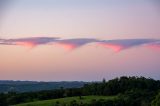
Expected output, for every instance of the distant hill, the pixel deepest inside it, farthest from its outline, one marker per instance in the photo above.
(28, 86)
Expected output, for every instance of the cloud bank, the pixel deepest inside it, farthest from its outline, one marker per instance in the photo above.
(116, 45)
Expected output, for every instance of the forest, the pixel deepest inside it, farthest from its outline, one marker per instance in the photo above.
(125, 91)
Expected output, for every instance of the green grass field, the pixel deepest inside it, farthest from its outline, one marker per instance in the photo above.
(85, 99)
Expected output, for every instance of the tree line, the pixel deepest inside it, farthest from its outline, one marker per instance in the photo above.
(130, 91)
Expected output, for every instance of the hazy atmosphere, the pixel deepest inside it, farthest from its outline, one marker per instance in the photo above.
(57, 40)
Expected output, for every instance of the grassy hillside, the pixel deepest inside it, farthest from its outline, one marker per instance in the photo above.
(61, 101)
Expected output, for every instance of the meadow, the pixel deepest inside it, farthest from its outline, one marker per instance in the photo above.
(67, 101)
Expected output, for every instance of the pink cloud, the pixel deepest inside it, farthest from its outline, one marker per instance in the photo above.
(116, 48)
(155, 46)
(70, 44)
(122, 44)
(26, 44)
(67, 46)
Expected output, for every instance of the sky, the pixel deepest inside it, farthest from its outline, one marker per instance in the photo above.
(82, 40)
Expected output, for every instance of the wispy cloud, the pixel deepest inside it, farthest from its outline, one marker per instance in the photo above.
(121, 44)
(30, 42)
(71, 44)
(155, 45)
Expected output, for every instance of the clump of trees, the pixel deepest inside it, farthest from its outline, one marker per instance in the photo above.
(131, 91)
(121, 85)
